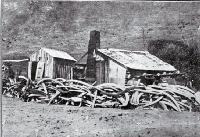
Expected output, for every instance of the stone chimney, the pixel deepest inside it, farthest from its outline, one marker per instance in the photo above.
(94, 44)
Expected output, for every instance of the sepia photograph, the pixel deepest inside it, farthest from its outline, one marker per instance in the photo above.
(76, 68)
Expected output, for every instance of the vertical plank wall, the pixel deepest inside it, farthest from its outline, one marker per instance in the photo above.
(63, 68)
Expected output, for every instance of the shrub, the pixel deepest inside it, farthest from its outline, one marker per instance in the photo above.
(185, 58)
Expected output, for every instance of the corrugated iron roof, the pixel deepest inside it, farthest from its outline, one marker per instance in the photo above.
(139, 60)
(16, 60)
(58, 54)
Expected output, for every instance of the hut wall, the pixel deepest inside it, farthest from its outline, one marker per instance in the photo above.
(20, 68)
(62, 68)
(42, 56)
(49, 67)
(107, 70)
(79, 71)
(100, 72)
(136, 72)
(114, 73)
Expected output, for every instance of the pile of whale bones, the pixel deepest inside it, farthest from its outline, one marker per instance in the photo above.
(109, 95)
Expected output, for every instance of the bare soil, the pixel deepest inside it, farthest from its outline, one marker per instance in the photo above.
(31, 119)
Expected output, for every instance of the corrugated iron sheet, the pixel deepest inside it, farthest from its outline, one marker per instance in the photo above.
(19, 60)
(58, 54)
(139, 60)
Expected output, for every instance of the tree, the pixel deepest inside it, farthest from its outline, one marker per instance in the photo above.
(185, 58)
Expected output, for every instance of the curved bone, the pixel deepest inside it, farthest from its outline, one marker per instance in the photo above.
(148, 91)
(182, 92)
(124, 102)
(185, 88)
(79, 82)
(61, 79)
(45, 88)
(154, 102)
(111, 85)
(184, 105)
(163, 105)
(138, 98)
(115, 94)
(54, 96)
(197, 97)
(134, 97)
(171, 105)
(174, 101)
(35, 95)
(49, 79)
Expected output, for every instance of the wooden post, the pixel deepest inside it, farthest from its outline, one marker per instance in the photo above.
(29, 69)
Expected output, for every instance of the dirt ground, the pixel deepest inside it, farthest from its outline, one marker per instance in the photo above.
(31, 119)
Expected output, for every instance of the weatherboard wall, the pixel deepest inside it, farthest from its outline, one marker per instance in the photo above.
(108, 71)
(53, 67)
(62, 68)
(42, 56)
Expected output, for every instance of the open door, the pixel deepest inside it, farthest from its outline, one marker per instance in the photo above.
(32, 67)
(40, 70)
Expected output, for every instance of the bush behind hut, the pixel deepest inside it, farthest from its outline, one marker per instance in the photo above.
(185, 58)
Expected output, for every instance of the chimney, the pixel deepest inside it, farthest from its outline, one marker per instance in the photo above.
(94, 44)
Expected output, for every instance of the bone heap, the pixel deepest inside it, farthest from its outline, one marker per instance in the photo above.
(79, 93)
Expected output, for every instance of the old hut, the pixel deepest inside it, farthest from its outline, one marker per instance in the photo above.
(19, 67)
(50, 63)
(117, 65)
(112, 65)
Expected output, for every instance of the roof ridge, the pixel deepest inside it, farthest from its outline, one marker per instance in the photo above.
(56, 53)
(53, 49)
(140, 60)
